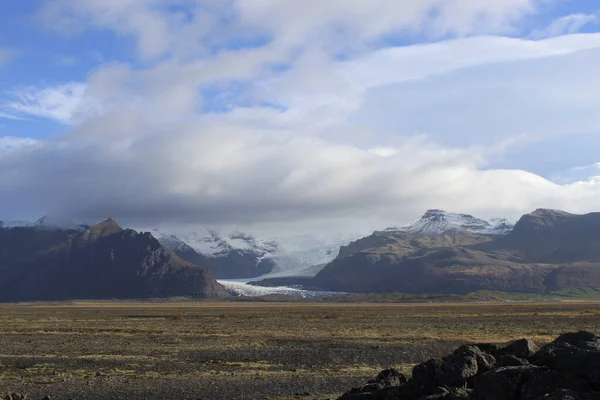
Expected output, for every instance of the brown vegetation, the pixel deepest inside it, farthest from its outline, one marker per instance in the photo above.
(109, 350)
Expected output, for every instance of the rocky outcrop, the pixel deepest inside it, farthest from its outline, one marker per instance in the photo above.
(566, 369)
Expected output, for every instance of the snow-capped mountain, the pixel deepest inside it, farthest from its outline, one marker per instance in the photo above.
(211, 243)
(47, 222)
(297, 254)
(435, 222)
(231, 256)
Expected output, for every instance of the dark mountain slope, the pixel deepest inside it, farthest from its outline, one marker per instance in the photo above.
(551, 236)
(102, 262)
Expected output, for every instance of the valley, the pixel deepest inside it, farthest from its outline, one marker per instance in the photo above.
(545, 252)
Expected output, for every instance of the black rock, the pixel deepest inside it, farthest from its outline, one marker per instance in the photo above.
(412, 390)
(563, 356)
(358, 396)
(524, 382)
(576, 338)
(566, 369)
(544, 381)
(510, 360)
(502, 383)
(454, 370)
(522, 348)
(570, 395)
(490, 348)
(390, 377)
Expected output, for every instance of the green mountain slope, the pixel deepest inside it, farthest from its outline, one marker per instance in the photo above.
(546, 251)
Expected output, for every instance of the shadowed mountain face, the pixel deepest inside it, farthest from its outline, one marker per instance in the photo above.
(546, 250)
(101, 262)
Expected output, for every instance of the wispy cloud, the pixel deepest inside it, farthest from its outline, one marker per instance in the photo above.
(60, 103)
(14, 143)
(6, 55)
(566, 25)
(63, 60)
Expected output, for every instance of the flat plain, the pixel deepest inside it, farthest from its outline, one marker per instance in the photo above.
(283, 351)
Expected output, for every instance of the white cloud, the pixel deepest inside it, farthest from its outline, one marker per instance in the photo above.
(565, 25)
(579, 174)
(5, 115)
(13, 143)
(333, 25)
(60, 103)
(295, 134)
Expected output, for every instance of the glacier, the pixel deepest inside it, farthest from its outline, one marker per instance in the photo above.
(244, 288)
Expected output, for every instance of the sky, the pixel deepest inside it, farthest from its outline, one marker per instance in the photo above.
(287, 115)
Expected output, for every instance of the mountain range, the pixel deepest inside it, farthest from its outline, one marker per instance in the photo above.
(546, 250)
(104, 261)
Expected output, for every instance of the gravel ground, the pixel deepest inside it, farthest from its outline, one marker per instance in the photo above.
(245, 351)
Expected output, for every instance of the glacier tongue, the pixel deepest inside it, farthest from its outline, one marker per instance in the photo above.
(294, 254)
(242, 288)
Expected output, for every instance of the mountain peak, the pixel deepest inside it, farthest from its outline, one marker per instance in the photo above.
(542, 220)
(436, 221)
(105, 228)
(548, 212)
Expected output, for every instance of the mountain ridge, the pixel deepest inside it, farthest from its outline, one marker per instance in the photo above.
(546, 250)
(104, 261)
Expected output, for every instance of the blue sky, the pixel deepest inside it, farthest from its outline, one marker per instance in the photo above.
(248, 112)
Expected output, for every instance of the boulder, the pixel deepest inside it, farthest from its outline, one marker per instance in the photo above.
(389, 377)
(454, 370)
(522, 348)
(358, 396)
(566, 369)
(575, 338)
(386, 379)
(570, 395)
(412, 390)
(524, 382)
(579, 359)
(490, 348)
(510, 360)
(502, 383)
(543, 382)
